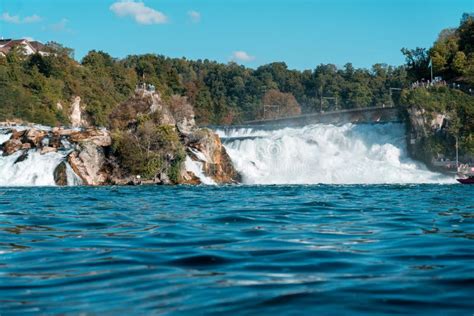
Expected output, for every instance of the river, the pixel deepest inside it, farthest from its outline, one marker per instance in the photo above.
(243, 249)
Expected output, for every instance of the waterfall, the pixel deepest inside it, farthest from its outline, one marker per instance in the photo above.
(348, 154)
(30, 170)
(196, 167)
(30, 167)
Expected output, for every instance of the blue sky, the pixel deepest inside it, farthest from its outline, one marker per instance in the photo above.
(302, 33)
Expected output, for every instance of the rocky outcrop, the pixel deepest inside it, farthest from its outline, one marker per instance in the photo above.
(183, 114)
(205, 146)
(34, 136)
(99, 137)
(142, 105)
(11, 146)
(84, 150)
(426, 135)
(75, 117)
(60, 174)
(88, 162)
(164, 133)
(152, 140)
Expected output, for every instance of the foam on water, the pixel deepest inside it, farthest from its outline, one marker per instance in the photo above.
(36, 169)
(4, 137)
(196, 168)
(348, 154)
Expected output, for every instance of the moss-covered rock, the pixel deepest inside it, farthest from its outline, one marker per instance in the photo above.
(152, 138)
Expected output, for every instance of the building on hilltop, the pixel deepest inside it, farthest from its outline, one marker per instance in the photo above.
(29, 47)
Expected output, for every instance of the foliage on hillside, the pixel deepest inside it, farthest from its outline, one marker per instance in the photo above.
(452, 55)
(459, 108)
(31, 86)
(280, 104)
(150, 150)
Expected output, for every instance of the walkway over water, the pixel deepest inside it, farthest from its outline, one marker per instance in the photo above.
(379, 114)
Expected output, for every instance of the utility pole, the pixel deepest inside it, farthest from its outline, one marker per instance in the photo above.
(431, 67)
(332, 98)
(457, 154)
(321, 99)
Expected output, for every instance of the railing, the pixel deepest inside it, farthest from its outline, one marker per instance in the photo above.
(317, 114)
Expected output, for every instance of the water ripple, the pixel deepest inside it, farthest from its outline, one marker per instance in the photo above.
(385, 249)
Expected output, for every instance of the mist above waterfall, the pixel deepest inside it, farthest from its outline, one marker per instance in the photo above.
(348, 154)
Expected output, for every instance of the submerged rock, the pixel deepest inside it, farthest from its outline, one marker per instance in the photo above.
(60, 174)
(48, 149)
(22, 157)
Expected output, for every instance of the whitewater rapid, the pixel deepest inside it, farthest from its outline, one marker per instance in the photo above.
(348, 154)
(30, 167)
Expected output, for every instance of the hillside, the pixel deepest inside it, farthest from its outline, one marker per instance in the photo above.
(41, 88)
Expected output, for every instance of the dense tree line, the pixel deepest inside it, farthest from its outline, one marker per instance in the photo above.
(32, 86)
(452, 55)
(40, 88)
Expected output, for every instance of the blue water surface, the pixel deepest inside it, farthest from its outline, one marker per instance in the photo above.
(253, 250)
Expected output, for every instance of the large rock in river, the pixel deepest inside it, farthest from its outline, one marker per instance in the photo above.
(11, 146)
(88, 163)
(216, 162)
(99, 137)
(35, 136)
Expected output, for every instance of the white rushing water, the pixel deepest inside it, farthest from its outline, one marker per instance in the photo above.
(348, 154)
(36, 169)
(31, 168)
(196, 168)
(4, 137)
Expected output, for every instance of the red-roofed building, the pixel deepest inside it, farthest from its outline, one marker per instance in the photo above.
(29, 47)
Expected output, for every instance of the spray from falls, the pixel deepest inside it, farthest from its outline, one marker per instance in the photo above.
(348, 154)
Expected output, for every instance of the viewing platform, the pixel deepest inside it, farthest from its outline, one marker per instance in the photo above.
(369, 115)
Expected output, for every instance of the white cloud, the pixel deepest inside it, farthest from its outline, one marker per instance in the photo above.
(32, 19)
(60, 26)
(137, 10)
(194, 16)
(240, 55)
(16, 19)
